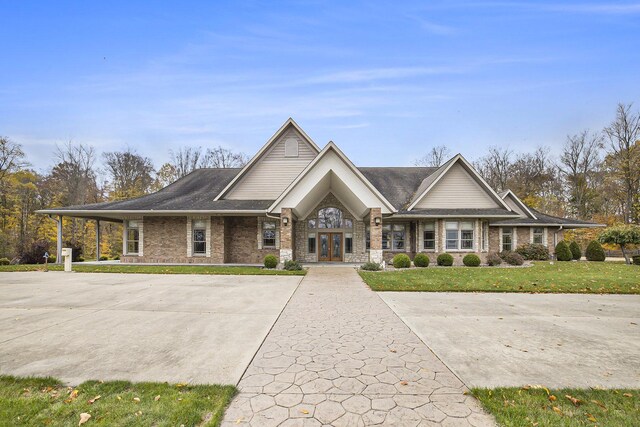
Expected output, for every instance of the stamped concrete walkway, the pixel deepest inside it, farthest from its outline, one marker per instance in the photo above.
(338, 355)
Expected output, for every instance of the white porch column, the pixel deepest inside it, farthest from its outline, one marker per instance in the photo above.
(59, 241)
(97, 240)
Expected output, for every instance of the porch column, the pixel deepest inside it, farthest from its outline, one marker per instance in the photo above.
(217, 239)
(286, 235)
(97, 240)
(59, 241)
(375, 239)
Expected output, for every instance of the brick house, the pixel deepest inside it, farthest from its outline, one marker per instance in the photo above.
(297, 201)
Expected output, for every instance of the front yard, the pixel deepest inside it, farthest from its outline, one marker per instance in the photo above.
(538, 406)
(157, 269)
(543, 277)
(46, 401)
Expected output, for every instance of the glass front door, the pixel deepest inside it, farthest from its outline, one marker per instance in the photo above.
(330, 246)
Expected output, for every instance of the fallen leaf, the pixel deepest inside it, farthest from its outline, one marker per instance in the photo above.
(156, 398)
(591, 418)
(136, 399)
(573, 400)
(84, 417)
(627, 394)
(239, 420)
(304, 411)
(92, 401)
(600, 404)
(404, 383)
(557, 410)
(119, 398)
(552, 398)
(393, 351)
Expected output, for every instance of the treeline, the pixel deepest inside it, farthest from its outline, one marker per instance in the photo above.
(79, 176)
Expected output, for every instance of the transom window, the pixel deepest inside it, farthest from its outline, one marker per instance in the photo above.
(269, 234)
(133, 236)
(459, 235)
(538, 235)
(199, 236)
(507, 239)
(329, 218)
(429, 235)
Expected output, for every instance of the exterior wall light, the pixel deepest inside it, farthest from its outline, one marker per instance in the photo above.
(377, 220)
(285, 220)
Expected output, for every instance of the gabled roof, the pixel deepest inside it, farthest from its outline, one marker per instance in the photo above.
(546, 220)
(430, 182)
(397, 184)
(516, 199)
(289, 123)
(332, 147)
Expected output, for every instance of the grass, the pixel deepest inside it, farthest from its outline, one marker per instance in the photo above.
(536, 407)
(157, 269)
(46, 401)
(542, 277)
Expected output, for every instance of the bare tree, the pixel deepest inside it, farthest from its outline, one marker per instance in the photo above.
(185, 160)
(496, 167)
(581, 157)
(11, 157)
(434, 157)
(624, 139)
(130, 173)
(75, 173)
(219, 157)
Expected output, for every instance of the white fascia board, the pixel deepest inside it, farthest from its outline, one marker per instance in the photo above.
(519, 203)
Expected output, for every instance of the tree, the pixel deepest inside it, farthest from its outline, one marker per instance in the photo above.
(130, 174)
(11, 157)
(624, 139)
(496, 167)
(187, 159)
(219, 157)
(434, 157)
(623, 236)
(582, 162)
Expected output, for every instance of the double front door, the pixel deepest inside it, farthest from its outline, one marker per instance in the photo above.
(329, 246)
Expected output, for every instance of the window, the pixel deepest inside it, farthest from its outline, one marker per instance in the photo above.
(329, 218)
(348, 243)
(133, 237)
(367, 238)
(538, 235)
(311, 223)
(507, 239)
(398, 237)
(311, 243)
(199, 237)
(347, 223)
(268, 234)
(459, 235)
(429, 236)
(386, 236)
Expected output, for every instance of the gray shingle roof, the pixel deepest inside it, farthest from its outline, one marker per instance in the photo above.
(397, 185)
(544, 219)
(492, 212)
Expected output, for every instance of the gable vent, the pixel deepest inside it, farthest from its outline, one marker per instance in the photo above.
(291, 147)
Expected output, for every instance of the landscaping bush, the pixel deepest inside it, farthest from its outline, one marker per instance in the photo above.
(421, 260)
(494, 259)
(117, 257)
(445, 260)
(512, 258)
(533, 252)
(80, 259)
(401, 261)
(292, 265)
(104, 258)
(576, 252)
(371, 266)
(471, 260)
(270, 261)
(4, 261)
(52, 259)
(563, 253)
(635, 258)
(594, 251)
(34, 253)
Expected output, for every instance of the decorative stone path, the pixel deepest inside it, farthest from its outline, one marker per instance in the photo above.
(338, 355)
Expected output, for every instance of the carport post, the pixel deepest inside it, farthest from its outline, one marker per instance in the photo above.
(59, 242)
(97, 240)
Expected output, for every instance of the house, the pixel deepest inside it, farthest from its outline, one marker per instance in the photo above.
(297, 201)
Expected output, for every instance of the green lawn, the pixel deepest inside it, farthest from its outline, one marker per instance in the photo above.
(560, 277)
(157, 269)
(542, 407)
(46, 401)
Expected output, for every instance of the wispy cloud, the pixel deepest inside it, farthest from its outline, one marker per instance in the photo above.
(608, 8)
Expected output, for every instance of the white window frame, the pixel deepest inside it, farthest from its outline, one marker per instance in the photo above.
(544, 235)
(429, 226)
(275, 235)
(125, 239)
(459, 230)
(512, 233)
(193, 241)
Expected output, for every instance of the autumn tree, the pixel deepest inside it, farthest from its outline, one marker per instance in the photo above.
(623, 236)
(130, 174)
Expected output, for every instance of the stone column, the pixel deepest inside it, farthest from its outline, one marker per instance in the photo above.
(375, 247)
(217, 240)
(286, 235)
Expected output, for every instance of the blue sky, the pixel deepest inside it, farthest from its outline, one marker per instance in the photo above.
(384, 80)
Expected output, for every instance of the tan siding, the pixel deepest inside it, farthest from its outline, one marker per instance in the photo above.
(457, 189)
(273, 173)
(514, 206)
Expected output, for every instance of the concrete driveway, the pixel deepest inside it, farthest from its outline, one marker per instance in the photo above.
(494, 340)
(176, 328)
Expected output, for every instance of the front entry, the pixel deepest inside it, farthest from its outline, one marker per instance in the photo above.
(330, 247)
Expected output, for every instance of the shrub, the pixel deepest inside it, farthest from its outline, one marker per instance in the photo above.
(623, 236)
(117, 257)
(34, 253)
(371, 266)
(494, 259)
(563, 253)
(104, 258)
(401, 261)
(576, 252)
(512, 258)
(471, 260)
(534, 252)
(445, 260)
(292, 265)
(635, 259)
(594, 251)
(4, 261)
(52, 259)
(270, 261)
(421, 260)
(80, 259)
